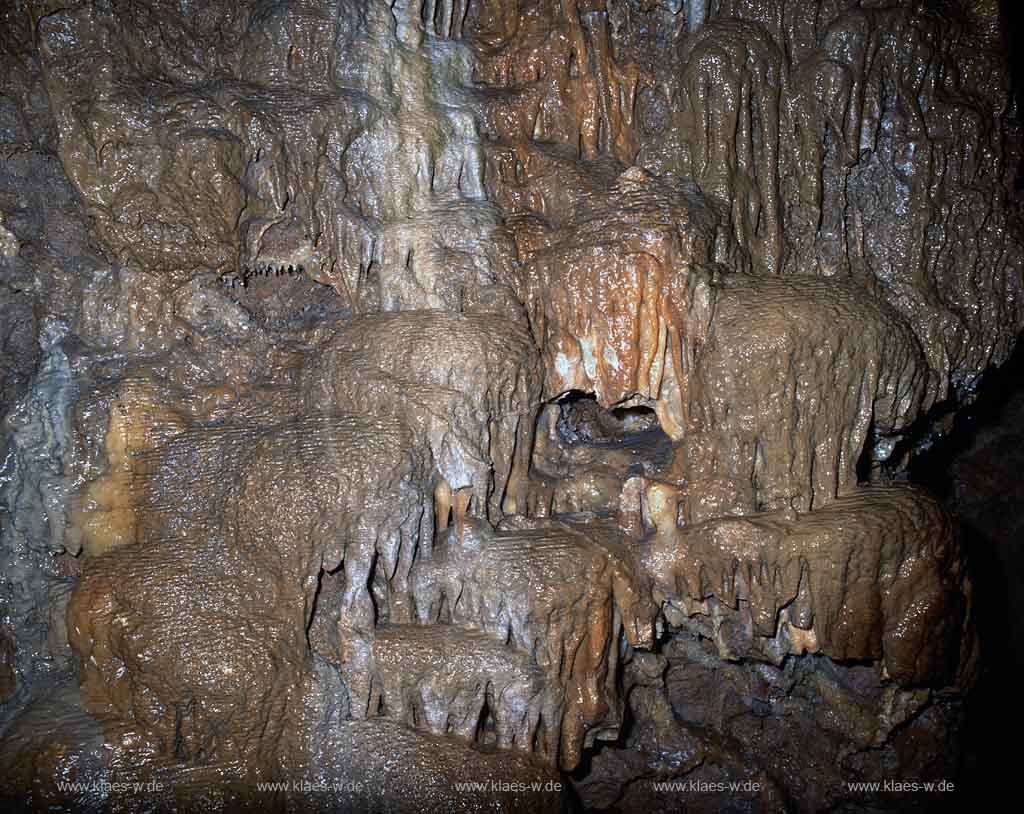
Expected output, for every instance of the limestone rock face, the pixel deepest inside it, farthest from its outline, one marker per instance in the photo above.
(444, 676)
(262, 147)
(433, 406)
(467, 384)
(855, 581)
(566, 597)
(601, 279)
(238, 580)
(784, 385)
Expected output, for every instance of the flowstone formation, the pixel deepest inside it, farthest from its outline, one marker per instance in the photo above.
(492, 405)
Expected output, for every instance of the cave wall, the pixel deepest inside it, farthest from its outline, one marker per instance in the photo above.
(561, 356)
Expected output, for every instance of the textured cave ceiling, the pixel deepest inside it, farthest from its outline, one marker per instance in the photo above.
(400, 396)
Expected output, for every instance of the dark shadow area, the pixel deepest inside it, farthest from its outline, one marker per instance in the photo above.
(583, 421)
(1013, 20)
(978, 472)
(1012, 13)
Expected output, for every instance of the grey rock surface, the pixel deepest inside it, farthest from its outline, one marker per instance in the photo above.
(471, 405)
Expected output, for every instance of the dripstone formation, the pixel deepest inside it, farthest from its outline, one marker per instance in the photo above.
(491, 405)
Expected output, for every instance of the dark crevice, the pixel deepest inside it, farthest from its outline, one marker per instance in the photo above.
(583, 421)
(976, 471)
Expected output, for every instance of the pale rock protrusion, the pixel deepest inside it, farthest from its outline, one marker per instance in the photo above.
(467, 385)
(443, 678)
(874, 575)
(563, 595)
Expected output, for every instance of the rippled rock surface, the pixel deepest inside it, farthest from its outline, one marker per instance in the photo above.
(492, 405)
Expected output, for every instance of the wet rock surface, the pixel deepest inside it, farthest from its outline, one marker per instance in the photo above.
(503, 406)
(873, 576)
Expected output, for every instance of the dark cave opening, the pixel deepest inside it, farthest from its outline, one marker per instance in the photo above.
(486, 729)
(1012, 23)
(636, 418)
(582, 420)
(1012, 14)
(976, 471)
(865, 462)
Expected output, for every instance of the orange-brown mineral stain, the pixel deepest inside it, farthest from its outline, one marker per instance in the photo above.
(106, 515)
